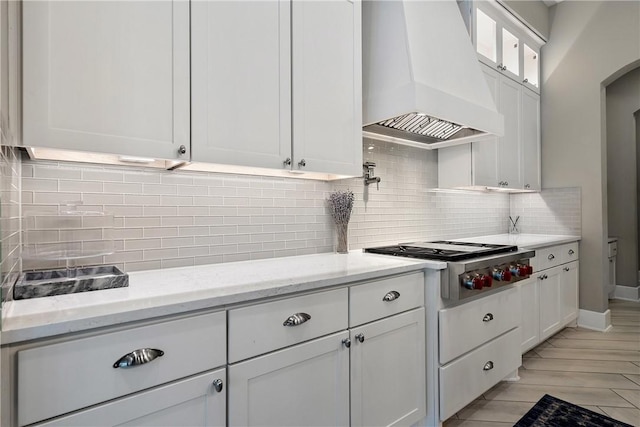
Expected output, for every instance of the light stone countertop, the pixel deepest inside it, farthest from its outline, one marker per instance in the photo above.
(523, 241)
(165, 292)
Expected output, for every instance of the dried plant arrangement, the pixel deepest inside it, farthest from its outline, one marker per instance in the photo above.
(340, 206)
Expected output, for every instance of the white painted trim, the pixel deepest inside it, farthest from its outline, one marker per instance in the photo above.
(595, 320)
(628, 293)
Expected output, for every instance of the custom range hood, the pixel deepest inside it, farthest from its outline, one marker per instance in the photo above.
(422, 82)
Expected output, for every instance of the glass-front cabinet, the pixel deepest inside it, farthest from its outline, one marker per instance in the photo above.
(503, 43)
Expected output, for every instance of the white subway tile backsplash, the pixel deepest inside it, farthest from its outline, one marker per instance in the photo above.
(178, 218)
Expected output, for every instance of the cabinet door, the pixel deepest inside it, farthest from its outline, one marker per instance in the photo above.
(529, 314)
(307, 384)
(191, 402)
(327, 86)
(241, 82)
(485, 153)
(569, 283)
(530, 132)
(107, 76)
(388, 371)
(509, 146)
(549, 283)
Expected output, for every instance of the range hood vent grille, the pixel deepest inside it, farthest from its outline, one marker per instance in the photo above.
(424, 125)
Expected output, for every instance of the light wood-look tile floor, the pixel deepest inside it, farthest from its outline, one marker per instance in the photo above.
(596, 370)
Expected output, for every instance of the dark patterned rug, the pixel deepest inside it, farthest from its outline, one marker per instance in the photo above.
(553, 412)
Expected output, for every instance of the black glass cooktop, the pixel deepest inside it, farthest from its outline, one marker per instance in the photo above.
(442, 250)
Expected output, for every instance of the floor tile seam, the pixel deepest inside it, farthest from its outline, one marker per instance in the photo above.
(631, 403)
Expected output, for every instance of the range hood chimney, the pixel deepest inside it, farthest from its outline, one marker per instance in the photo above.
(422, 82)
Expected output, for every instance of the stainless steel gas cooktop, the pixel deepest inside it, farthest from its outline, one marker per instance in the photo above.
(443, 250)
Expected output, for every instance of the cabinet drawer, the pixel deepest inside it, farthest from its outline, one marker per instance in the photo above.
(547, 258)
(569, 252)
(83, 370)
(260, 328)
(466, 378)
(613, 249)
(470, 325)
(369, 301)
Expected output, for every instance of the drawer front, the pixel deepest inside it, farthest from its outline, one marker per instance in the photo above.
(260, 328)
(470, 325)
(613, 249)
(467, 378)
(547, 258)
(375, 300)
(82, 370)
(570, 252)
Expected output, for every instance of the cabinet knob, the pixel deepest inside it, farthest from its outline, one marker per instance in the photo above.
(217, 385)
(346, 342)
(571, 252)
(296, 319)
(545, 276)
(551, 257)
(302, 163)
(566, 269)
(287, 161)
(488, 366)
(182, 150)
(360, 337)
(138, 357)
(527, 186)
(487, 317)
(506, 183)
(391, 296)
(525, 80)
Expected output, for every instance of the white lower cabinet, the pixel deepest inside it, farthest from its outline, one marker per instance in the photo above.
(388, 371)
(307, 384)
(550, 300)
(466, 378)
(192, 402)
(479, 346)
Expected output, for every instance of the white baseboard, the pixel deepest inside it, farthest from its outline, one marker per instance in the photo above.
(628, 293)
(595, 320)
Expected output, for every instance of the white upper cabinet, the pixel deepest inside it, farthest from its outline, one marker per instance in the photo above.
(503, 44)
(530, 134)
(278, 84)
(241, 82)
(107, 76)
(327, 86)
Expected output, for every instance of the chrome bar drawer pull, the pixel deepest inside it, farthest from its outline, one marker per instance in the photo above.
(488, 366)
(217, 385)
(296, 319)
(138, 357)
(487, 317)
(391, 296)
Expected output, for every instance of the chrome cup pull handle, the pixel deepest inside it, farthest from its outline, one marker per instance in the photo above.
(487, 317)
(296, 319)
(138, 357)
(391, 296)
(488, 366)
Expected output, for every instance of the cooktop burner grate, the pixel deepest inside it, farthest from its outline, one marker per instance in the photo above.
(442, 250)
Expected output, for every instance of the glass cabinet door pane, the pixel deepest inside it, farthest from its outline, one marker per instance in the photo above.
(510, 50)
(486, 44)
(531, 66)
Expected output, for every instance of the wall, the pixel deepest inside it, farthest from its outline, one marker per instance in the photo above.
(623, 100)
(590, 43)
(169, 219)
(552, 211)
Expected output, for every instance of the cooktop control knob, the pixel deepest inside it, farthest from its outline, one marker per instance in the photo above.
(502, 275)
(472, 282)
(487, 280)
(519, 270)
